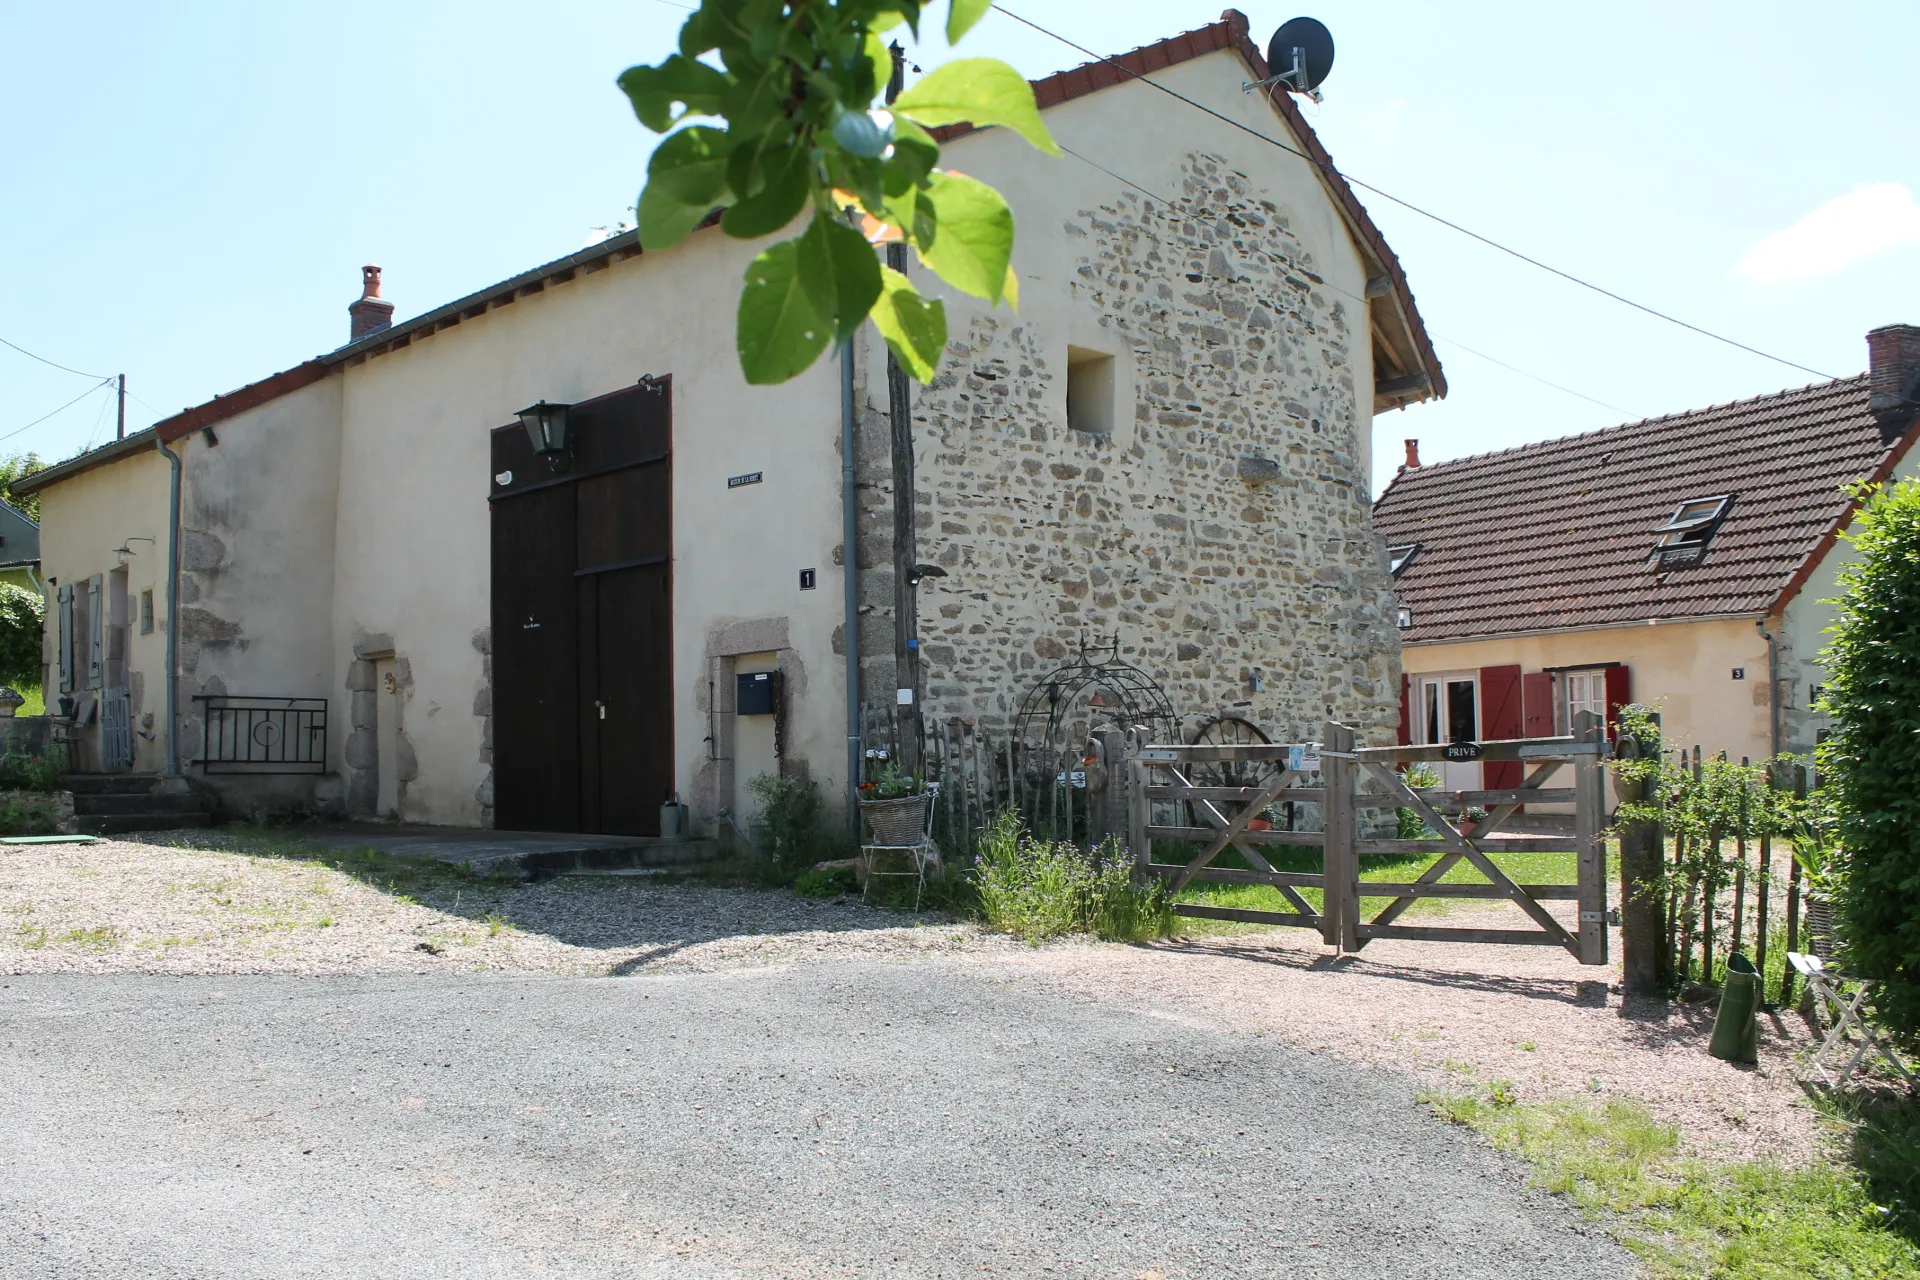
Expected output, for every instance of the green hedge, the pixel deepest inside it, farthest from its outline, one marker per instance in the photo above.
(1870, 761)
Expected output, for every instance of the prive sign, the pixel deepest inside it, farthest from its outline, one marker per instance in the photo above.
(1463, 751)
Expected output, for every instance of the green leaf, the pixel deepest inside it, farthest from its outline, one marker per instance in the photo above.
(686, 179)
(784, 186)
(879, 58)
(973, 235)
(779, 333)
(913, 158)
(962, 14)
(915, 327)
(691, 166)
(981, 92)
(664, 221)
(654, 90)
(840, 273)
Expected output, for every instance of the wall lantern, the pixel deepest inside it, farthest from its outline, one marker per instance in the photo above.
(1403, 616)
(546, 426)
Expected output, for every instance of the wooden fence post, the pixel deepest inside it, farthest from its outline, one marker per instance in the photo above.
(1340, 865)
(1139, 808)
(1589, 830)
(1643, 934)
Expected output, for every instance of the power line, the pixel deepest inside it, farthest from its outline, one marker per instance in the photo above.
(1414, 208)
(105, 382)
(1452, 342)
(43, 360)
(1545, 382)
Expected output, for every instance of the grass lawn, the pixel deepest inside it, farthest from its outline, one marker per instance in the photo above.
(1523, 868)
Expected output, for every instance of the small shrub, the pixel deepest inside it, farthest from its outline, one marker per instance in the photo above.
(826, 882)
(1037, 889)
(22, 623)
(27, 816)
(46, 771)
(792, 830)
(1412, 825)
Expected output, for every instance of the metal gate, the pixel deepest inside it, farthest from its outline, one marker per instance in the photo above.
(116, 731)
(1349, 784)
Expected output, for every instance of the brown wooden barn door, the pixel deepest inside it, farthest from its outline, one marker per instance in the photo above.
(536, 751)
(606, 687)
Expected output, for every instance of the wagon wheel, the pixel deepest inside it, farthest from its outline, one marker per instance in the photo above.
(1229, 731)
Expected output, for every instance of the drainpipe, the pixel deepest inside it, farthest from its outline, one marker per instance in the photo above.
(173, 608)
(850, 563)
(1773, 687)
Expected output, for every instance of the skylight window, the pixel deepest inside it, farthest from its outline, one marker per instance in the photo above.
(1398, 558)
(1683, 538)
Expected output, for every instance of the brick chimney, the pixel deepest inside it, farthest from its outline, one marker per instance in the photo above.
(1413, 456)
(371, 313)
(1893, 374)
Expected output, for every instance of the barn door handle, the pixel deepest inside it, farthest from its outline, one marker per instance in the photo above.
(602, 706)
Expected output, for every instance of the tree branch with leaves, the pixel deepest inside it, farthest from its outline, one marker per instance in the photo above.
(794, 92)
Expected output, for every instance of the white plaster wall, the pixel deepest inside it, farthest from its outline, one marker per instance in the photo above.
(1802, 631)
(1683, 669)
(412, 551)
(257, 526)
(82, 520)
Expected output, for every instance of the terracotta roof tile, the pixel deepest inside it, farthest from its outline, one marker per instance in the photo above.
(1558, 535)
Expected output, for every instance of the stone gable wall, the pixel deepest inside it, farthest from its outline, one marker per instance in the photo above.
(1224, 531)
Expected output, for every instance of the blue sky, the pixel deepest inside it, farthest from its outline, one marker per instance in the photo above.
(189, 191)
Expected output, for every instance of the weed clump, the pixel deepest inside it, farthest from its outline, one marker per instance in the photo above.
(1754, 1220)
(1036, 889)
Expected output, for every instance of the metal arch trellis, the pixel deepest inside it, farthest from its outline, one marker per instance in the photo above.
(1060, 713)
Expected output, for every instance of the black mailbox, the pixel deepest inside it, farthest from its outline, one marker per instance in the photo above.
(756, 693)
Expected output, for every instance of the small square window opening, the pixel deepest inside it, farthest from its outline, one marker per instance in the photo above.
(146, 612)
(1090, 391)
(1398, 558)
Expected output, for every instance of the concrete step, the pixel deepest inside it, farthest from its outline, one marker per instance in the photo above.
(104, 802)
(121, 784)
(638, 852)
(111, 824)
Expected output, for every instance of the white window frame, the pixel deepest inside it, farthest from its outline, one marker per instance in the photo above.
(1568, 705)
(1398, 558)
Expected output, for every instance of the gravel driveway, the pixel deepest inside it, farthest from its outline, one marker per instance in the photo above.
(861, 1119)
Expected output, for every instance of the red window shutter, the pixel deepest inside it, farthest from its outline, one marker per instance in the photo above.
(1500, 718)
(1406, 710)
(1619, 694)
(1536, 701)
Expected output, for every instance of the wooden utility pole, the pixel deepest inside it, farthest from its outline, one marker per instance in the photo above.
(121, 433)
(906, 613)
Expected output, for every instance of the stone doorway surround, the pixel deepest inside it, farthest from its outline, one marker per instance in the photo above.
(715, 784)
(371, 652)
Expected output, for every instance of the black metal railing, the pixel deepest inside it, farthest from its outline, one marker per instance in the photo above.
(263, 735)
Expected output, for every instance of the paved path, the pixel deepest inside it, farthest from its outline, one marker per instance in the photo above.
(861, 1119)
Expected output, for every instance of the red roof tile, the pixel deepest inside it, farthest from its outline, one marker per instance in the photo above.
(1558, 535)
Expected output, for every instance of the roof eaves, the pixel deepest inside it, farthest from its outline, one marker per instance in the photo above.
(35, 481)
(1231, 33)
(1882, 472)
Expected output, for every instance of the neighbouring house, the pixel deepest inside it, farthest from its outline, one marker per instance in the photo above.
(389, 603)
(19, 549)
(1685, 562)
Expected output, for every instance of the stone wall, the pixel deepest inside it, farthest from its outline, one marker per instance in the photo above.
(1221, 527)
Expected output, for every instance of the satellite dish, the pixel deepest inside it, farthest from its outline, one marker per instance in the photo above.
(1300, 55)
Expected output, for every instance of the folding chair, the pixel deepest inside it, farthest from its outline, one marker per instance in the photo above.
(1823, 986)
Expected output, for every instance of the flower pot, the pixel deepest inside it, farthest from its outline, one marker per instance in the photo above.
(899, 821)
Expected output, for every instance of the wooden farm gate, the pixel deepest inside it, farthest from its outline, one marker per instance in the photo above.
(1335, 783)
